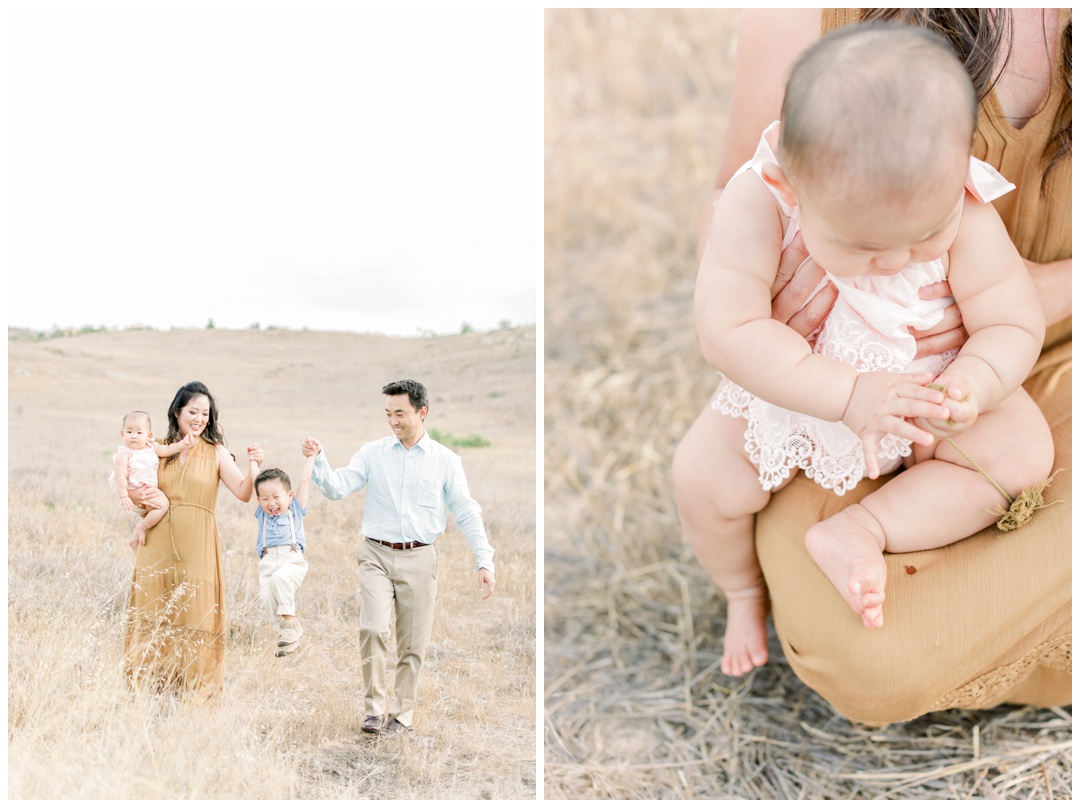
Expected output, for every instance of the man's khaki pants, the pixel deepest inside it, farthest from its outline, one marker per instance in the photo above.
(402, 582)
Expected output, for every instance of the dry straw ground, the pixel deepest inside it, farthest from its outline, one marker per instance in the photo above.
(635, 110)
(286, 727)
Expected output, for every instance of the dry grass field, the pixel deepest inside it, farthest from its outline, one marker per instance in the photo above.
(635, 705)
(285, 728)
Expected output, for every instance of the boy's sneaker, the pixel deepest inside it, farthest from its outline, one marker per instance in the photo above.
(288, 649)
(290, 633)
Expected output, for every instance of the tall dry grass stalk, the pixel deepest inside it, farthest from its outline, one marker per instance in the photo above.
(635, 112)
(290, 727)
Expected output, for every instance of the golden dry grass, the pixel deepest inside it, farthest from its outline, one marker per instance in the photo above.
(635, 706)
(286, 727)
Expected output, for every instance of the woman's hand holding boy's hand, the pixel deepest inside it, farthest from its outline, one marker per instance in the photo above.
(881, 402)
(255, 453)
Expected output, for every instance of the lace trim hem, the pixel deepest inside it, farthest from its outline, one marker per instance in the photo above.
(991, 687)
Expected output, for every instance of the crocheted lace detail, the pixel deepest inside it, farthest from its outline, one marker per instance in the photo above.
(779, 440)
(846, 338)
(990, 688)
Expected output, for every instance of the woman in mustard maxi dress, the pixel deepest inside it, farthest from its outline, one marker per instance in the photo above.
(175, 637)
(984, 621)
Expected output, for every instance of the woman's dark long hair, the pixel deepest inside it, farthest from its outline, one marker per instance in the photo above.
(980, 36)
(211, 433)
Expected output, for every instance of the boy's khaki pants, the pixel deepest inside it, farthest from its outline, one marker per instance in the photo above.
(281, 571)
(402, 582)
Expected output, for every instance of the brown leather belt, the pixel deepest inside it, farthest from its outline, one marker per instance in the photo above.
(401, 545)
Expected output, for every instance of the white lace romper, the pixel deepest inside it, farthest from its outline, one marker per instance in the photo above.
(867, 329)
(142, 468)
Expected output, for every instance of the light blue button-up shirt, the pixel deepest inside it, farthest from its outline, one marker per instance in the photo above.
(408, 492)
(277, 531)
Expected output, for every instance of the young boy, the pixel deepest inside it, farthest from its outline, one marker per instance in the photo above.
(280, 547)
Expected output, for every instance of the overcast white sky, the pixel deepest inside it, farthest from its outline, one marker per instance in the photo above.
(338, 169)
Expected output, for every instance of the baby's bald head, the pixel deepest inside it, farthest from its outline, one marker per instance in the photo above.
(886, 107)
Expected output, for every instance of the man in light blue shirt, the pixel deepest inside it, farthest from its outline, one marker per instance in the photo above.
(411, 480)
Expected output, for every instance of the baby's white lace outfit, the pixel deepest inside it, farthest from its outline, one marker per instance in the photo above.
(142, 467)
(867, 329)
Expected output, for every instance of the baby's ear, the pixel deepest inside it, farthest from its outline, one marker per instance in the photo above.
(775, 177)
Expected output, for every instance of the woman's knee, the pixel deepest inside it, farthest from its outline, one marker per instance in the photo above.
(871, 683)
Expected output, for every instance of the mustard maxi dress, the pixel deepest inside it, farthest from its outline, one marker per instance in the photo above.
(175, 637)
(984, 621)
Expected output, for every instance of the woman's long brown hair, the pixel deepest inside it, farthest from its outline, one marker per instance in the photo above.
(979, 35)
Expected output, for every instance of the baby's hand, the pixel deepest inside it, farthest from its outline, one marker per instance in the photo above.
(879, 404)
(310, 447)
(255, 453)
(190, 439)
(127, 504)
(962, 406)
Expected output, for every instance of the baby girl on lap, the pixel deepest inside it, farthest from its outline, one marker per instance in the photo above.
(870, 161)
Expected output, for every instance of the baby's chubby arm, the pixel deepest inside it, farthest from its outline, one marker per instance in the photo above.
(120, 468)
(1001, 312)
(170, 449)
(738, 336)
(733, 310)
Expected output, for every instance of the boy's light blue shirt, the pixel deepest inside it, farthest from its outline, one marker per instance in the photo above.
(274, 530)
(408, 492)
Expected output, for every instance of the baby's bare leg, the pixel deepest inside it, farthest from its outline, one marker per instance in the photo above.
(936, 502)
(848, 549)
(717, 493)
(157, 505)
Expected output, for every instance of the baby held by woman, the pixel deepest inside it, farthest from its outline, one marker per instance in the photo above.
(135, 472)
(871, 163)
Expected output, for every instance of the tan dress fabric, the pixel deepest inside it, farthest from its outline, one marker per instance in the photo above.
(986, 620)
(175, 637)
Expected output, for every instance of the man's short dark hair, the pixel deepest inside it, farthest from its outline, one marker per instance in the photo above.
(417, 392)
(272, 474)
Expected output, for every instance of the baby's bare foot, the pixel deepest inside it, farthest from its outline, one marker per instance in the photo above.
(744, 639)
(848, 549)
(139, 537)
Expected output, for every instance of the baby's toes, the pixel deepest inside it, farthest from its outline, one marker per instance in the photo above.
(873, 618)
(872, 599)
(736, 663)
(867, 579)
